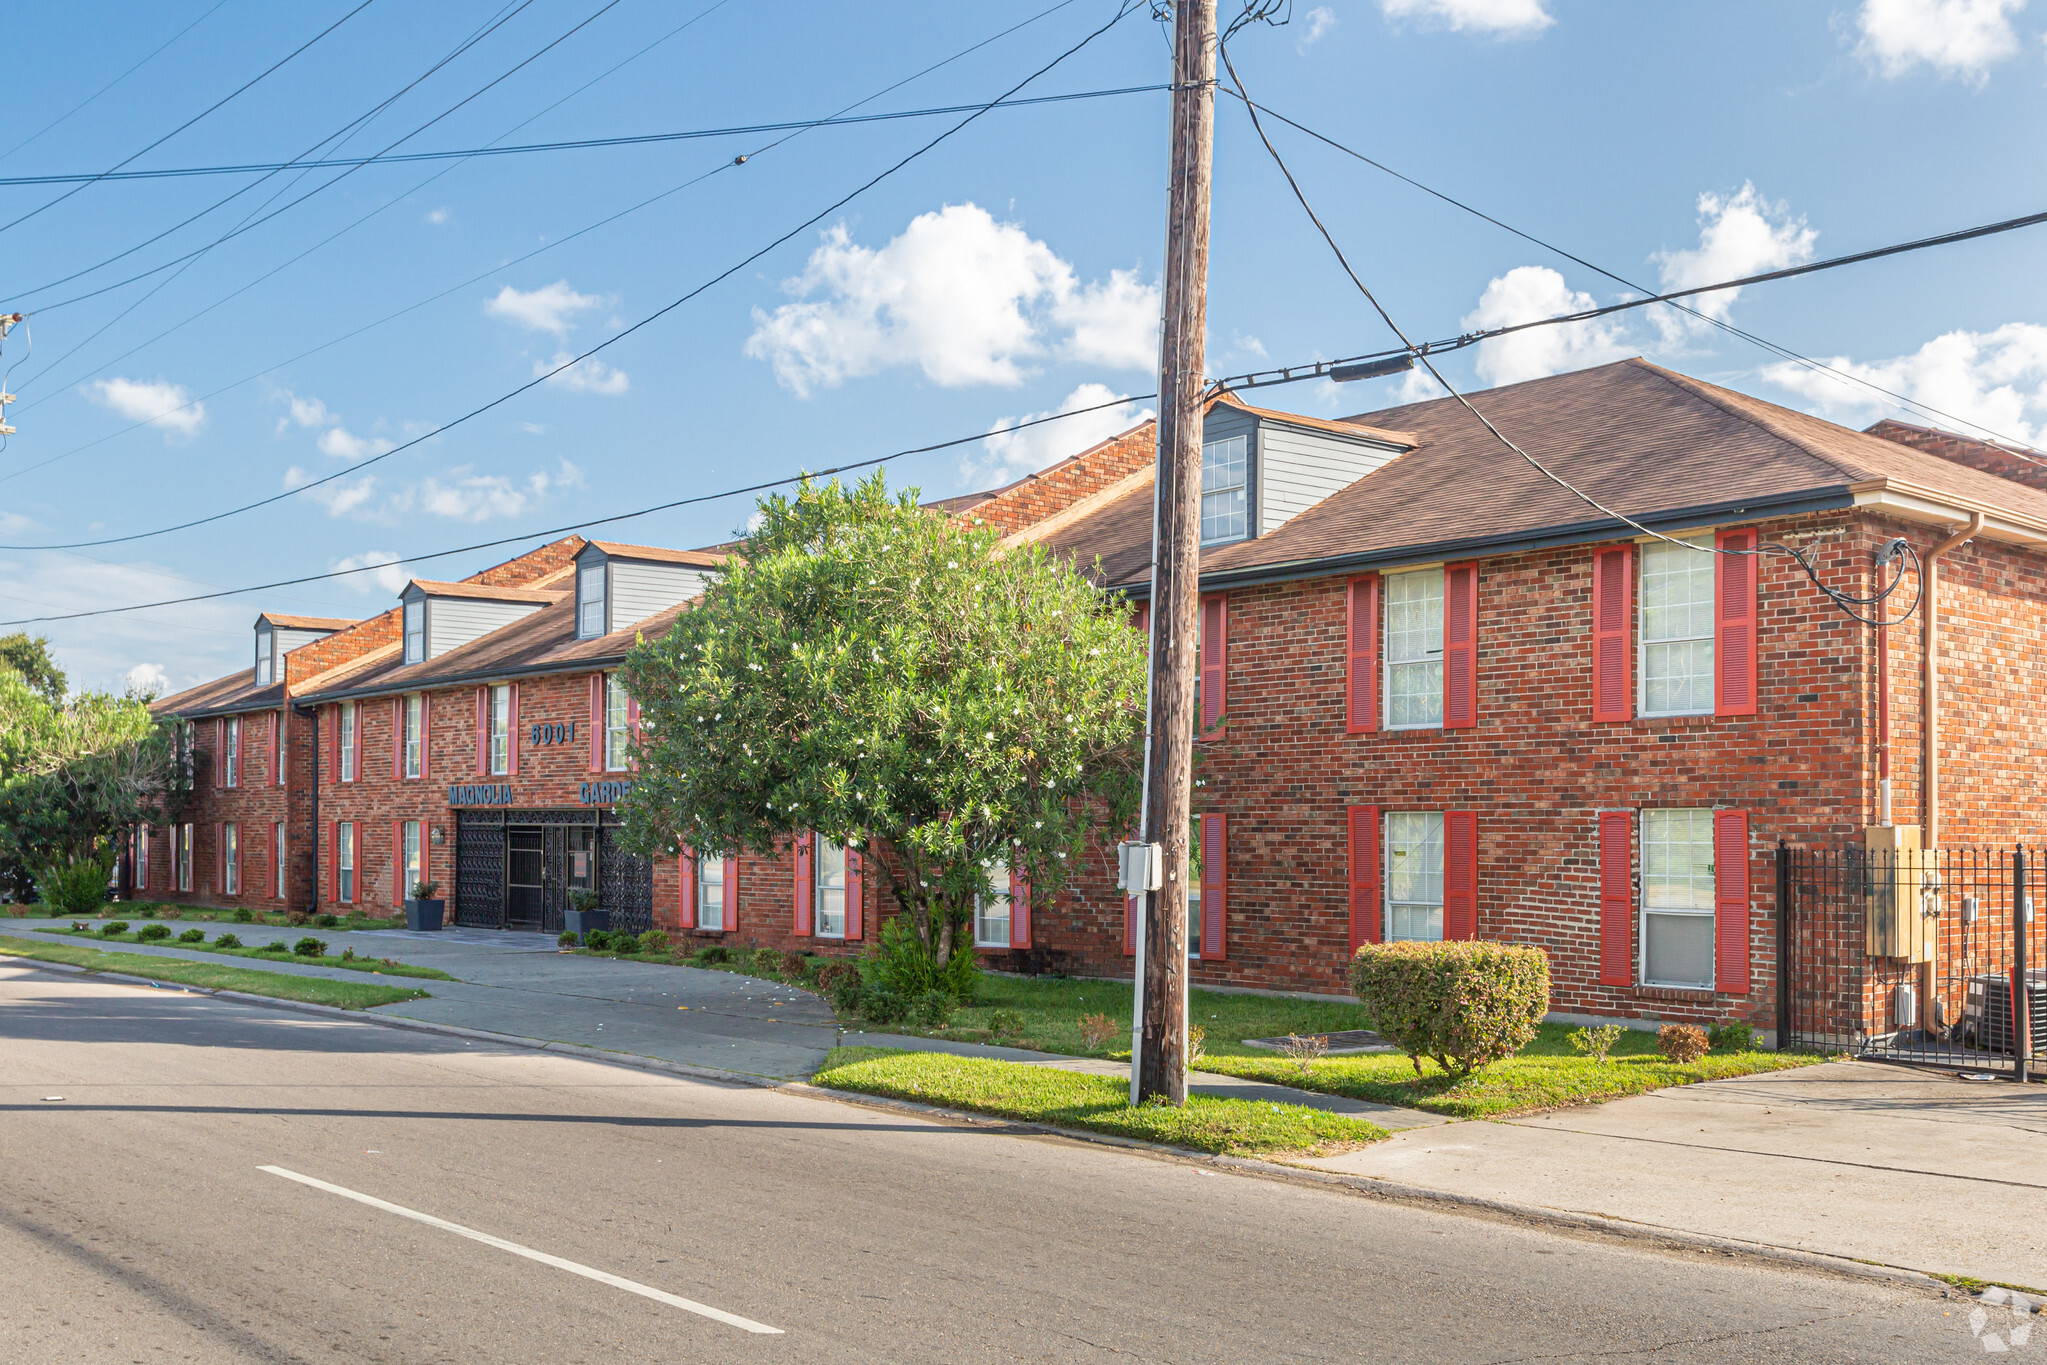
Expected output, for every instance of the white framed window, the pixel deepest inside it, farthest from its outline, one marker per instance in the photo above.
(829, 892)
(501, 729)
(277, 859)
(348, 741)
(1414, 649)
(412, 872)
(231, 859)
(590, 601)
(1414, 875)
(413, 710)
(617, 723)
(415, 631)
(1194, 887)
(263, 660)
(1677, 628)
(710, 893)
(233, 757)
(181, 855)
(991, 911)
(344, 853)
(142, 857)
(1677, 898)
(1225, 506)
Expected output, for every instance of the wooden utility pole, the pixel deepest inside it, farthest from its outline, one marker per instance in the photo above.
(1176, 554)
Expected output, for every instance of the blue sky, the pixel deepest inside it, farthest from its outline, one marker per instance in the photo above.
(1010, 272)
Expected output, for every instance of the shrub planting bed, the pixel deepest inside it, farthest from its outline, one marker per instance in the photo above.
(231, 945)
(348, 995)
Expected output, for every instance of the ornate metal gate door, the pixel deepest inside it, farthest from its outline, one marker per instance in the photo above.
(479, 870)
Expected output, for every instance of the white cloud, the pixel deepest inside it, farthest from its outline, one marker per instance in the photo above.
(1501, 18)
(437, 216)
(1741, 234)
(964, 298)
(1960, 38)
(303, 412)
(148, 678)
(344, 444)
(1523, 294)
(384, 570)
(1997, 378)
(585, 376)
(464, 496)
(1315, 26)
(172, 647)
(546, 309)
(1011, 454)
(157, 402)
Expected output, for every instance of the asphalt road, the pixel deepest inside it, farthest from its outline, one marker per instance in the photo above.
(160, 1211)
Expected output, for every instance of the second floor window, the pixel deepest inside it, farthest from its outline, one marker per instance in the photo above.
(233, 757)
(413, 739)
(1677, 628)
(590, 601)
(1414, 649)
(263, 662)
(347, 741)
(415, 631)
(1225, 469)
(617, 723)
(501, 730)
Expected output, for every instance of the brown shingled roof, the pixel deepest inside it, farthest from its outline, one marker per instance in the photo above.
(309, 622)
(235, 692)
(433, 588)
(702, 559)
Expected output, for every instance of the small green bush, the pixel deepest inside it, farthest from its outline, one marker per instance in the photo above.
(846, 993)
(1681, 1043)
(348, 954)
(275, 946)
(712, 954)
(883, 1006)
(597, 940)
(145, 911)
(150, 933)
(1005, 1023)
(1466, 1004)
(310, 947)
(325, 921)
(76, 888)
(1731, 1038)
(565, 939)
(244, 915)
(770, 962)
(657, 942)
(113, 927)
(583, 901)
(227, 941)
(1597, 1041)
(833, 971)
(898, 962)
(934, 1008)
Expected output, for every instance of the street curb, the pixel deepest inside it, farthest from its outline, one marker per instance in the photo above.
(1388, 1191)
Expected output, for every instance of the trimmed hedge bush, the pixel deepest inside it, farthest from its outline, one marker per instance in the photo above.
(150, 933)
(1681, 1043)
(192, 936)
(113, 927)
(1466, 1004)
(310, 947)
(656, 941)
(228, 941)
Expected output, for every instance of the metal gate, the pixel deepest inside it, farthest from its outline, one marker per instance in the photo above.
(479, 870)
(625, 883)
(514, 869)
(1931, 957)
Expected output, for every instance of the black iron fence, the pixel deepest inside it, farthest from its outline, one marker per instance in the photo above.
(1931, 956)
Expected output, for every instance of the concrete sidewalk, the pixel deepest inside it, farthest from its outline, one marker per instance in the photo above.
(1855, 1159)
(519, 984)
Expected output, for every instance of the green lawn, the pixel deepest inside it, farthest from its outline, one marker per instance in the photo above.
(376, 966)
(348, 995)
(1548, 1074)
(171, 914)
(1041, 1094)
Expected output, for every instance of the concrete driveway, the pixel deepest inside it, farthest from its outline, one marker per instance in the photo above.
(520, 984)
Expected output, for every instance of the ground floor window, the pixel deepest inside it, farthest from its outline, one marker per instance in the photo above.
(1414, 875)
(231, 859)
(344, 853)
(830, 891)
(181, 855)
(711, 893)
(991, 911)
(1677, 898)
(142, 858)
(277, 859)
(413, 871)
(1194, 887)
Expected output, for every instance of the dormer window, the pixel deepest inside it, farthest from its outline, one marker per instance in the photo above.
(415, 631)
(590, 602)
(1225, 469)
(264, 659)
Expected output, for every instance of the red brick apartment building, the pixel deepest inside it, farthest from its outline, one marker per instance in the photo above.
(1445, 697)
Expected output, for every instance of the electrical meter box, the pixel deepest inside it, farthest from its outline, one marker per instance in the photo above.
(1902, 892)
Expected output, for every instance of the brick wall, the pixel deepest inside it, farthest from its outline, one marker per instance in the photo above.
(1975, 454)
(254, 807)
(1053, 490)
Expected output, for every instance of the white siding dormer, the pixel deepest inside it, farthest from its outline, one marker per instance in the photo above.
(618, 585)
(277, 636)
(450, 615)
(1261, 469)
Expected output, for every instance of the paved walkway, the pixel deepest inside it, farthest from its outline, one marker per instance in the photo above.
(519, 984)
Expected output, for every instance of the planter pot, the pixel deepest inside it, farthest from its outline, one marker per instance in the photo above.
(424, 914)
(581, 922)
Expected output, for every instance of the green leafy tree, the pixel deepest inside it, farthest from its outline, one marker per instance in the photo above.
(30, 657)
(892, 679)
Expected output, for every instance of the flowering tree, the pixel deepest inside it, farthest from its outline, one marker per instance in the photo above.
(883, 674)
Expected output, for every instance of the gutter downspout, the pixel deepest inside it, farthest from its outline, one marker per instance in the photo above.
(1930, 701)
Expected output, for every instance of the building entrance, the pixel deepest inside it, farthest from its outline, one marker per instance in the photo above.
(515, 869)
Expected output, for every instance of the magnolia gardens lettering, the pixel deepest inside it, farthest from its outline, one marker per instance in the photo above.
(604, 793)
(480, 794)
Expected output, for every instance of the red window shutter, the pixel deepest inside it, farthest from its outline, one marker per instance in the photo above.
(1613, 623)
(220, 751)
(1215, 658)
(855, 886)
(686, 889)
(512, 731)
(397, 739)
(399, 890)
(426, 747)
(1460, 874)
(1730, 900)
(333, 861)
(1361, 655)
(1215, 888)
(1019, 908)
(426, 839)
(1365, 881)
(1616, 898)
(220, 859)
(1734, 625)
(1460, 646)
(596, 722)
(731, 895)
(802, 924)
(483, 732)
(270, 751)
(1140, 617)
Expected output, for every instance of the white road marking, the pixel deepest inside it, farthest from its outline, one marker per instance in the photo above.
(587, 1272)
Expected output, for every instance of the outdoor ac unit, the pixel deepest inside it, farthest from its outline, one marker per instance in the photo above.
(1987, 1019)
(1904, 1008)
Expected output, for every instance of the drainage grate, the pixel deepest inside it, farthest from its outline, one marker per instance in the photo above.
(1340, 1042)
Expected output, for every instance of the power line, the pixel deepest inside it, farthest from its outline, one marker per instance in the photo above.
(273, 67)
(550, 245)
(1845, 601)
(573, 144)
(1123, 10)
(585, 525)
